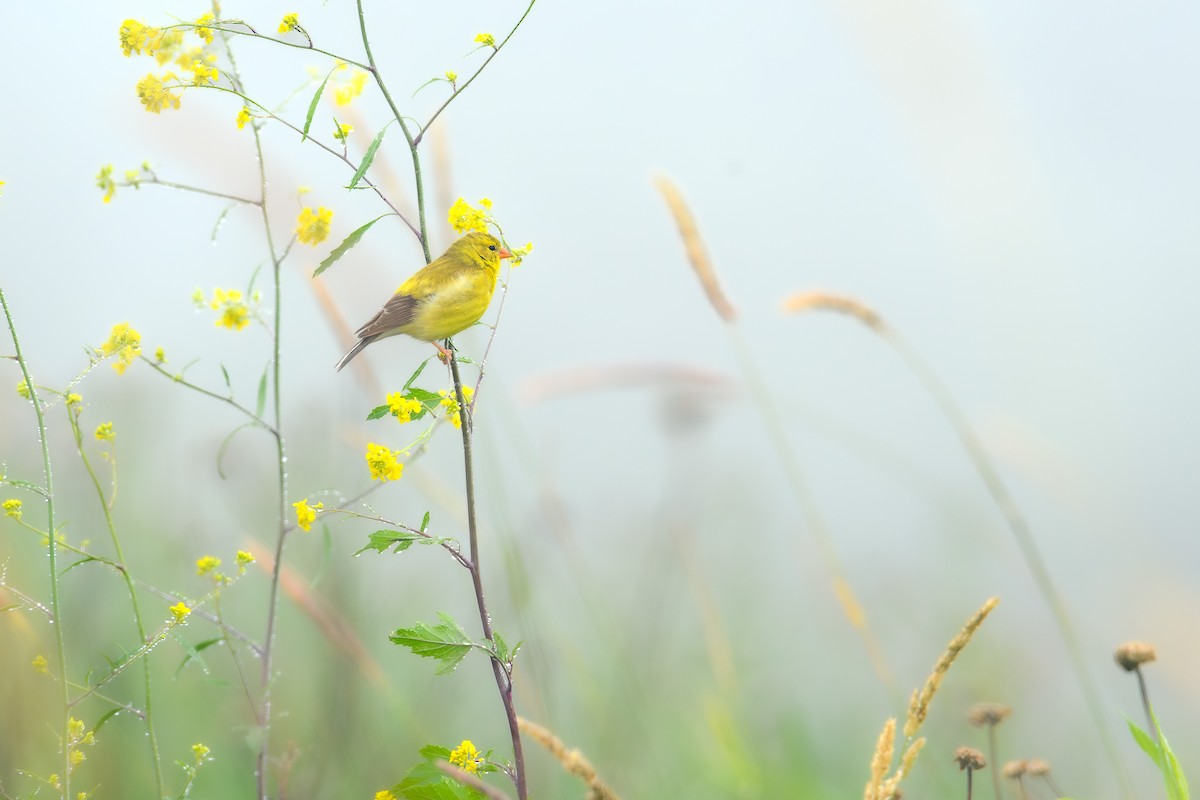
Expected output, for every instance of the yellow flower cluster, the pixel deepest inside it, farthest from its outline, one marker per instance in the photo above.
(155, 96)
(105, 432)
(402, 408)
(200, 753)
(23, 390)
(75, 403)
(382, 463)
(450, 402)
(519, 253)
(340, 132)
(451, 75)
(207, 564)
(345, 92)
(289, 23)
(40, 665)
(243, 117)
(306, 514)
(179, 611)
(203, 73)
(125, 343)
(77, 736)
(205, 33)
(235, 313)
(466, 757)
(155, 91)
(312, 227)
(12, 508)
(384, 794)
(486, 40)
(463, 217)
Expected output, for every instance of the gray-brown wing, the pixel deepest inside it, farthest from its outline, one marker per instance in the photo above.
(396, 312)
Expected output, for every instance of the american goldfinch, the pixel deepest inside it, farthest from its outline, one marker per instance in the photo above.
(446, 296)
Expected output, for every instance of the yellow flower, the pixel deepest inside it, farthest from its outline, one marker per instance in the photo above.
(105, 181)
(235, 314)
(165, 46)
(200, 752)
(105, 432)
(40, 666)
(1, 188)
(125, 343)
(305, 514)
(23, 389)
(382, 463)
(75, 403)
(402, 407)
(519, 253)
(466, 757)
(136, 37)
(243, 558)
(207, 564)
(313, 226)
(342, 131)
(243, 117)
(160, 355)
(75, 730)
(345, 93)
(180, 611)
(463, 217)
(154, 96)
(302, 190)
(384, 794)
(12, 508)
(486, 39)
(202, 73)
(290, 23)
(205, 33)
(451, 75)
(450, 401)
(77, 757)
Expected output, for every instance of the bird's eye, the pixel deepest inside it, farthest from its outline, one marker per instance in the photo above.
(491, 247)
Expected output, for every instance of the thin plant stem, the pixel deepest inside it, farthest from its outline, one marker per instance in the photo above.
(207, 393)
(460, 89)
(423, 236)
(777, 433)
(60, 649)
(1141, 679)
(148, 716)
(251, 33)
(268, 646)
(503, 679)
(970, 772)
(992, 757)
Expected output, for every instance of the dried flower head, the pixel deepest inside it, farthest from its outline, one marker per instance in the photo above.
(1131, 655)
(982, 714)
(1015, 769)
(1037, 767)
(969, 758)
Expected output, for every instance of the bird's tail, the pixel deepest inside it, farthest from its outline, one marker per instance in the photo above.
(353, 352)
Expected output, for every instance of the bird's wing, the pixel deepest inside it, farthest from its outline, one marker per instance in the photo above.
(396, 313)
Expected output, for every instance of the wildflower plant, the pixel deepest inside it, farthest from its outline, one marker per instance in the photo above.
(198, 54)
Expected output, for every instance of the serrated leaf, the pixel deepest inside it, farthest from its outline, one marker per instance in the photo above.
(225, 446)
(261, 404)
(382, 541)
(430, 400)
(312, 106)
(426, 782)
(379, 411)
(212, 239)
(415, 375)
(345, 246)
(368, 157)
(445, 641)
(105, 717)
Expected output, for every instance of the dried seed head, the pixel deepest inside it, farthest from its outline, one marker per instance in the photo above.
(1015, 769)
(982, 714)
(1133, 654)
(1037, 767)
(969, 758)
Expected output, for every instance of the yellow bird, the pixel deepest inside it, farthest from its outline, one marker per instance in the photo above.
(446, 296)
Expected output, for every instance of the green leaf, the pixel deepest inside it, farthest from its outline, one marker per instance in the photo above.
(382, 541)
(426, 782)
(1177, 788)
(105, 717)
(434, 752)
(501, 649)
(345, 246)
(1145, 741)
(415, 375)
(77, 563)
(228, 383)
(193, 652)
(431, 400)
(225, 446)
(33, 487)
(425, 522)
(379, 411)
(212, 239)
(368, 157)
(445, 641)
(261, 405)
(312, 106)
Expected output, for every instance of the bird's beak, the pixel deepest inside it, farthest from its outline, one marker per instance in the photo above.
(504, 253)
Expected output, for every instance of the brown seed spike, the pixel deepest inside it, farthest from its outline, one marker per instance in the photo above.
(1015, 769)
(826, 301)
(1132, 655)
(696, 251)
